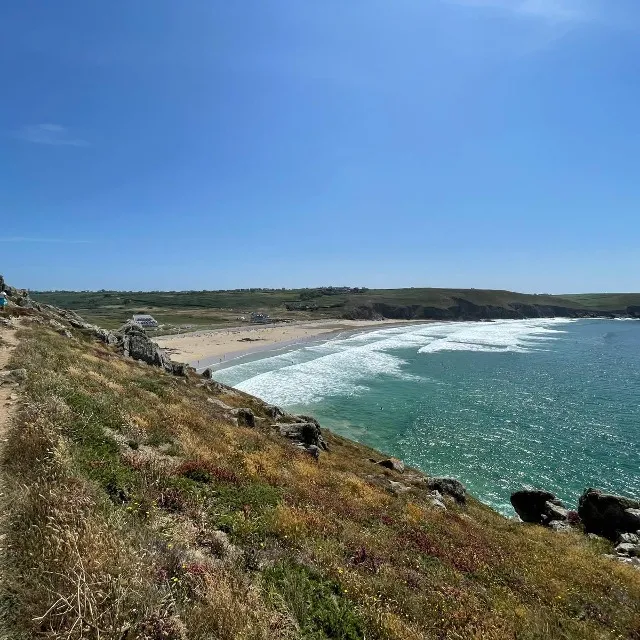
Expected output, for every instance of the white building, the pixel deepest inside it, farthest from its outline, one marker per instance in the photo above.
(145, 320)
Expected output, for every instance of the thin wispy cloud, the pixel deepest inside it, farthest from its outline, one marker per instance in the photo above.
(47, 240)
(50, 134)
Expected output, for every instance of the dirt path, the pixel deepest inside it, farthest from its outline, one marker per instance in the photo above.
(8, 406)
(8, 392)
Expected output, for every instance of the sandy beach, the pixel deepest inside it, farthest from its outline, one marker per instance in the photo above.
(205, 348)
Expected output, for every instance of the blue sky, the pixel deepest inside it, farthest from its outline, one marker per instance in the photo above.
(159, 144)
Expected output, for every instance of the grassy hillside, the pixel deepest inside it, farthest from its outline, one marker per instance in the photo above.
(605, 301)
(213, 308)
(137, 508)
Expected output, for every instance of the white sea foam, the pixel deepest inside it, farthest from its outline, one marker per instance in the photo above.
(345, 366)
(520, 336)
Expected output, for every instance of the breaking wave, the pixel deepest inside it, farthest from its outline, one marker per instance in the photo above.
(345, 366)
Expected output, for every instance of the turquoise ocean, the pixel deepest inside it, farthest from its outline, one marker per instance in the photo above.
(550, 403)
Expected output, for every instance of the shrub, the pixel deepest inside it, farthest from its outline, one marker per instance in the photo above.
(319, 605)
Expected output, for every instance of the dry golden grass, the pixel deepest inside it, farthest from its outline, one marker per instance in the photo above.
(119, 479)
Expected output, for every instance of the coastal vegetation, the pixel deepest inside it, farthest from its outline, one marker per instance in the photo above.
(141, 504)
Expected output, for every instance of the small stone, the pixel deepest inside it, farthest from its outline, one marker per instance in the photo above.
(313, 451)
(627, 549)
(631, 538)
(14, 375)
(438, 504)
(398, 488)
(559, 525)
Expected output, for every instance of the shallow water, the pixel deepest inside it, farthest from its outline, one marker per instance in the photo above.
(551, 403)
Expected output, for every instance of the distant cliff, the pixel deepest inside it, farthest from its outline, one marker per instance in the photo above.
(466, 310)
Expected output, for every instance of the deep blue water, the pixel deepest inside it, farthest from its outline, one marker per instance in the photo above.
(548, 403)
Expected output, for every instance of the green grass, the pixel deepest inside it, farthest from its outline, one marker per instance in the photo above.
(605, 301)
(319, 606)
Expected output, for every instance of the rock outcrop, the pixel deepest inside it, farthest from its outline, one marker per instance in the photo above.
(245, 417)
(448, 487)
(308, 434)
(538, 506)
(132, 339)
(393, 463)
(608, 515)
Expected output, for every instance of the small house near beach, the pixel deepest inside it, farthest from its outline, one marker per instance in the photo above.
(145, 320)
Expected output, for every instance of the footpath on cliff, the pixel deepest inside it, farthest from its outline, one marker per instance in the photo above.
(8, 396)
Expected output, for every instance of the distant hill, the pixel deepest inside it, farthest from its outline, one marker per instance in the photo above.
(210, 308)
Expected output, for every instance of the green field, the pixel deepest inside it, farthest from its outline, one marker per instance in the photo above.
(185, 309)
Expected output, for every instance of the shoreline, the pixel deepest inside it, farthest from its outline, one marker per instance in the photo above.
(216, 347)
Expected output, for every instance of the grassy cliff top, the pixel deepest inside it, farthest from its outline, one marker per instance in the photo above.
(138, 508)
(210, 308)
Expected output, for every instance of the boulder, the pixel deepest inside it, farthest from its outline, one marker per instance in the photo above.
(538, 506)
(180, 369)
(207, 374)
(448, 486)
(132, 340)
(633, 519)
(392, 463)
(135, 343)
(608, 515)
(307, 433)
